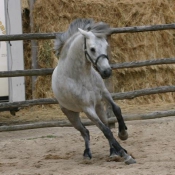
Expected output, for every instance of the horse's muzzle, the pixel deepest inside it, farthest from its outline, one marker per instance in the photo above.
(106, 73)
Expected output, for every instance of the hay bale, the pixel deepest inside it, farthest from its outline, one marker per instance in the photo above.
(24, 4)
(56, 15)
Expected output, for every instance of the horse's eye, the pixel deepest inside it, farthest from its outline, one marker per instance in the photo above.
(92, 49)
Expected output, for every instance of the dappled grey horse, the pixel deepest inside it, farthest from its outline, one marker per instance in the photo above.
(78, 85)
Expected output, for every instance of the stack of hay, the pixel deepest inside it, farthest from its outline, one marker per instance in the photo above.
(56, 15)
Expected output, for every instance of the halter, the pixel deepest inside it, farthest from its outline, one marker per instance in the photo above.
(96, 61)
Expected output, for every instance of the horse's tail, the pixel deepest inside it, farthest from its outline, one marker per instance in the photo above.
(61, 38)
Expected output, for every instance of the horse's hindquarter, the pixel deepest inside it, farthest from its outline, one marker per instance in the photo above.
(76, 94)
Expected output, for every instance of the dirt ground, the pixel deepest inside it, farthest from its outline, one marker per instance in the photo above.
(58, 151)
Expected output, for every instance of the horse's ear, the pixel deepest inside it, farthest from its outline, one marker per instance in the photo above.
(84, 33)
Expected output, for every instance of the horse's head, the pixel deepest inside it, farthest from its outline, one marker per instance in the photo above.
(95, 48)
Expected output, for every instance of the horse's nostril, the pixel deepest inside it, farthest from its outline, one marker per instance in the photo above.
(107, 72)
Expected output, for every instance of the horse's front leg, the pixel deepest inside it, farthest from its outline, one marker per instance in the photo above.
(123, 134)
(92, 115)
(74, 118)
(99, 108)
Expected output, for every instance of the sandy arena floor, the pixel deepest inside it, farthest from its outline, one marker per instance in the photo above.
(58, 151)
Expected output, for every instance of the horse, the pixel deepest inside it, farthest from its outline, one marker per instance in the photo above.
(78, 86)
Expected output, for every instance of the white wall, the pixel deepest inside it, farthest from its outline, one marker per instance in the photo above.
(3, 53)
(15, 49)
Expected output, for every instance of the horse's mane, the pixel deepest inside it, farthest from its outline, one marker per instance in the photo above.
(99, 28)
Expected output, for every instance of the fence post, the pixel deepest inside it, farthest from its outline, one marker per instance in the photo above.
(33, 47)
(109, 85)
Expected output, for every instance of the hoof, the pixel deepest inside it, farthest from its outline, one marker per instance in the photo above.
(130, 160)
(123, 135)
(87, 153)
(127, 158)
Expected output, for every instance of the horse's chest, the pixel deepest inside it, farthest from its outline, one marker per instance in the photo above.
(80, 91)
(94, 90)
(76, 93)
(91, 91)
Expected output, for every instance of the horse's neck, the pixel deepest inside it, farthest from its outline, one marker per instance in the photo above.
(74, 65)
(76, 57)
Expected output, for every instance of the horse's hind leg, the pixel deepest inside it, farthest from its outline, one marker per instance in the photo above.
(92, 115)
(74, 118)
